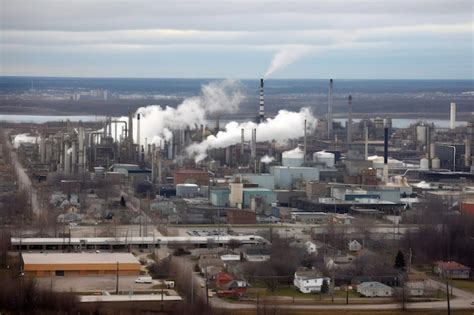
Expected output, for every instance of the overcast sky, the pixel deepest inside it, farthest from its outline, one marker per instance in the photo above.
(430, 39)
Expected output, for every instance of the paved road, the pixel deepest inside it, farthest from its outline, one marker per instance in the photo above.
(462, 300)
(24, 180)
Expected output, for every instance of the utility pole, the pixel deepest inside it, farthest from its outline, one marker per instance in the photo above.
(347, 293)
(207, 291)
(117, 279)
(447, 293)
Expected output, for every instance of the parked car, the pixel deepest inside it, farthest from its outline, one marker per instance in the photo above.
(143, 280)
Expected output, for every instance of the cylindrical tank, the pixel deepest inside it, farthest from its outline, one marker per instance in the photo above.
(326, 158)
(293, 157)
(424, 164)
(435, 163)
(421, 134)
(186, 190)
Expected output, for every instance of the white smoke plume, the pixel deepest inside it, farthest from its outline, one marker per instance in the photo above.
(267, 159)
(281, 128)
(156, 121)
(287, 56)
(23, 138)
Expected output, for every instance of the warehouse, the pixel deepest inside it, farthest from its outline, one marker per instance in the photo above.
(79, 264)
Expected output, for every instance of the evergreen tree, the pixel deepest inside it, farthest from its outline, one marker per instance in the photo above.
(400, 261)
(122, 202)
(324, 287)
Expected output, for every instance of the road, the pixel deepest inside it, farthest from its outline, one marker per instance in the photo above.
(461, 301)
(24, 180)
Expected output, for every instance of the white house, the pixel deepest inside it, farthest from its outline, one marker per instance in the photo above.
(415, 288)
(309, 281)
(354, 246)
(374, 289)
(311, 248)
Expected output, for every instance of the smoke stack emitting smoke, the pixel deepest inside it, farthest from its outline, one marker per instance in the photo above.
(225, 96)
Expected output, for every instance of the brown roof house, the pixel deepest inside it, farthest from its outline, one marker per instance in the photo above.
(451, 269)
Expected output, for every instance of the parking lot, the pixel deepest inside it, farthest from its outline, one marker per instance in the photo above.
(98, 284)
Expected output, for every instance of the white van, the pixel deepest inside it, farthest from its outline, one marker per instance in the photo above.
(143, 280)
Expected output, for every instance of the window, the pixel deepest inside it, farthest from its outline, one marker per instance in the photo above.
(59, 273)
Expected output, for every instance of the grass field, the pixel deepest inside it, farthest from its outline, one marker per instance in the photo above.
(467, 285)
(346, 312)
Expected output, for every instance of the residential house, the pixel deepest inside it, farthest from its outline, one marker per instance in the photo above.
(207, 261)
(451, 269)
(415, 288)
(374, 289)
(309, 280)
(257, 254)
(354, 246)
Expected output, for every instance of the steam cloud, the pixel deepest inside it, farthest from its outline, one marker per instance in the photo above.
(281, 128)
(286, 57)
(267, 159)
(157, 122)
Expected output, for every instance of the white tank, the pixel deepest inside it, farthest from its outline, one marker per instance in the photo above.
(424, 164)
(421, 133)
(293, 157)
(326, 158)
(436, 163)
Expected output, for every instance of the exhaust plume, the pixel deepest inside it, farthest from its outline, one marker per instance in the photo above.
(267, 159)
(286, 57)
(156, 122)
(280, 129)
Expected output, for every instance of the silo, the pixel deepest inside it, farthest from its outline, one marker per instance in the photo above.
(326, 158)
(424, 164)
(421, 134)
(436, 163)
(293, 157)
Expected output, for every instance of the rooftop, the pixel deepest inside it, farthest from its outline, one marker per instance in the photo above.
(450, 265)
(79, 258)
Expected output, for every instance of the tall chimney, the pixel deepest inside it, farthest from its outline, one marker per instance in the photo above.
(130, 135)
(366, 132)
(242, 141)
(261, 113)
(385, 156)
(304, 143)
(253, 144)
(330, 99)
(453, 115)
(349, 121)
(138, 138)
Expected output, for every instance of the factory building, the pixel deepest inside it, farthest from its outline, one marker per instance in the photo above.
(79, 264)
(263, 195)
(292, 177)
(191, 176)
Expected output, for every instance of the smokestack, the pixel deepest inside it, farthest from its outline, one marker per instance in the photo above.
(330, 99)
(81, 149)
(130, 135)
(67, 159)
(366, 132)
(242, 143)
(349, 121)
(261, 112)
(453, 115)
(385, 156)
(253, 144)
(467, 154)
(138, 138)
(304, 143)
(73, 157)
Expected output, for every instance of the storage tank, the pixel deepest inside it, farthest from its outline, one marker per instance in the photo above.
(424, 164)
(293, 157)
(186, 190)
(436, 163)
(326, 158)
(421, 133)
